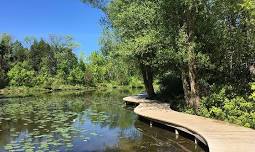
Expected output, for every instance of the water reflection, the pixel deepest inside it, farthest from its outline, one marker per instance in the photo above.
(92, 121)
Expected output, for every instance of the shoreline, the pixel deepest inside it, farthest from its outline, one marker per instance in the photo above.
(13, 92)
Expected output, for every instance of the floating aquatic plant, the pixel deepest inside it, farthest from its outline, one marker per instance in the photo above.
(52, 123)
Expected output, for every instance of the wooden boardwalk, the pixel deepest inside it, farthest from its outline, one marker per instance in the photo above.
(218, 135)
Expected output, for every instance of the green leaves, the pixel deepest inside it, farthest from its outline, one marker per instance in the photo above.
(249, 5)
(136, 24)
(22, 74)
(76, 76)
(235, 109)
(253, 93)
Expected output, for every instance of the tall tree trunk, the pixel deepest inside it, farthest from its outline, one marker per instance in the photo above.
(148, 80)
(194, 92)
(185, 85)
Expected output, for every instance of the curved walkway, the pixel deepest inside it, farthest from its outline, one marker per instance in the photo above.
(218, 135)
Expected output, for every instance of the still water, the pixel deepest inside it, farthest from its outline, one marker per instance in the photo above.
(81, 122)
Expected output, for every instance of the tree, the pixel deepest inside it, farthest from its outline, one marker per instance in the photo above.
(5, 57)
(37, 51)
(237, 50)
(20, 53)
(210, 41)
(183, 21)
(76, 76)
(22, 74)
(97, 65)
(136, 24)
(50, 61)
(5, 51)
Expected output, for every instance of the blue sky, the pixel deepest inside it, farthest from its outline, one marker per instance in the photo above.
(40, 18)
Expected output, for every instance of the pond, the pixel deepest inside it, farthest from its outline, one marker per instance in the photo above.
(81, 122)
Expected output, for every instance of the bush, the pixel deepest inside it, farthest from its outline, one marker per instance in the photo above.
(50, 82)
(22, 74)
(76, 76)
(253, 89)
(42, 78)
(236, 109)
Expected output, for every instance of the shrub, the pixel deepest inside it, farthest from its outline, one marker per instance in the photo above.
(76, 76)
(253, 89)
(22, 74)
(217, 113)
(236, 109)
(42, 78)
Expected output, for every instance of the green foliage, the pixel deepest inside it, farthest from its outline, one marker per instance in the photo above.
(135, 82)
(52, 64)
(20, 53)
(43, 63)
(22, 74)
(97, 65)
(253, 93)
(136, 25)
(202, 42)
(234, 109)
(76, 76)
